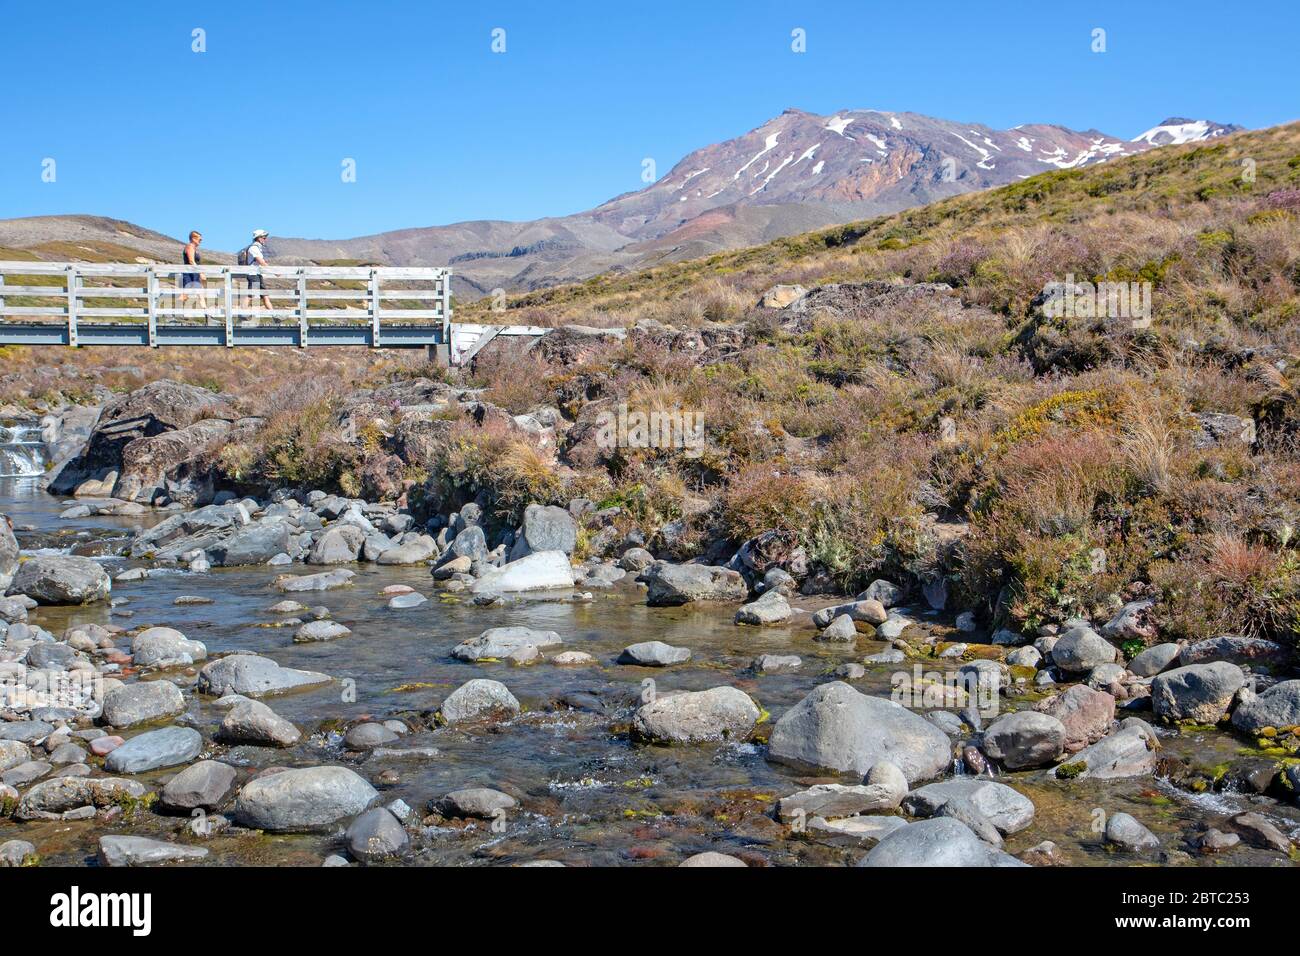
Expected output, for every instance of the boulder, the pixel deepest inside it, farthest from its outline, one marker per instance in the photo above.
(776, 663)
(58, 795)
(1128, 752)
(1277, 707)
(771, 608)
(779, 296)
(841, 630)
(711, 860)
(413, 552)
(836, 728)
(154, 749)
(165, 647)
(1197, 692)
(61, 579)
(314, 631)
(368, 735)
(1086, 714)
(200, 785)
(1080, 649)
(1007, 809)
(253, 676)
(720, 713)
(481, 802)
(253, 544)
(884, 791)
(375, 835)
(252, 722)
(130, 704)
(340, 544)
(943, 841)
(478, 699)
(654, 654)
(1133, 622)
(518, 644)
(545, 528)
(1025, 739)
(1234, 649)
(540, 571)
(8, 554)
(674, 584)
(322, 581)
(1153, 660)
(303, 799)
(142, 851)
(1127, 833)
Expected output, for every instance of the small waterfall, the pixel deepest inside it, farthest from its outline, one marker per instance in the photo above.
(22, 451)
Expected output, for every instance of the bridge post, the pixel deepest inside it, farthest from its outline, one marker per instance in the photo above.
(228, 307)
(374, 309)
(151, 291)
(302, 311)
(72, 305)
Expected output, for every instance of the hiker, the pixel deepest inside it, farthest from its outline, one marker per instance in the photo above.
(254, 255)
(191, 256)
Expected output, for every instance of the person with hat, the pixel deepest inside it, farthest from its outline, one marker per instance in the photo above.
(255, 255)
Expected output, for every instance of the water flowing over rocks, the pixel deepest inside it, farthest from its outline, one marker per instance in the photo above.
(303, 799)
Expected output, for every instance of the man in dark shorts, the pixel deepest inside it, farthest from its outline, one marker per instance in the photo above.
(191, 256)
(255, 255)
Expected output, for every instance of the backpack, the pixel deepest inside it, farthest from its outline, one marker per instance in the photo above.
(242, 258)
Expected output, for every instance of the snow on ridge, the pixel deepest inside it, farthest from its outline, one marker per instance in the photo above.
(763, 185)
(768, 145)
(836, 124)
(984, 153)
(689, 177)
(1177, 133)
(816, 170)
(807, 154)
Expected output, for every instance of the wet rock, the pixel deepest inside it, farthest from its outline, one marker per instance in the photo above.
(17, 853)
(841, 630)
(253, 676)
(771, 608)
(654, 654)
(711, 859)
(153, 749)
(1080, 649)
(252, 722)
(1154, 660)
(573, 659)
(322, 581)
(1086, 714)
(58, 795)
(142, 702)
(303, 799)
(314, 631)
(402, 602)
(368, 735)
(836, 728)
(540, 571)
(675, 584)
(1258, 831)
(1128, 752)
(61, 579)
(963, 809)
(1126, 833)
(1025, 739)
(1277, 707)
(776, 663)
(850, 671)
(1235, 650)
(1199, 692)
(478, 699)
(890, 656)
(518, 644)
(939, 842)
(201, 785)
(885, 788)
(720, 713)
(1024, 657)
(1216, 841)
(1007, 809)
(142, 851)
(165, 647)
(376, 835)
(483, 803)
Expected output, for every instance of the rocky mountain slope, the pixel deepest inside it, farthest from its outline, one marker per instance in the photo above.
(796, 172)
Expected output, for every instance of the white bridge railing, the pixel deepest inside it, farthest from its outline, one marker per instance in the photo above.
(76, 303)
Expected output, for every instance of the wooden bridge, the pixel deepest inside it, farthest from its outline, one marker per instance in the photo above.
(81, 304)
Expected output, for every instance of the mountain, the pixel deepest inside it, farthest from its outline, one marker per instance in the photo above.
(798, 171)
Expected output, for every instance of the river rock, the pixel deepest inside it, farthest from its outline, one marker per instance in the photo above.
(375, 835)
(771, 608)
(368, 735)
(252, 722)
(252, 544)
(1127, 833)
(943, 841)
(314, 631)
(1025, 739)
(165, 647)
(166, 747)
(720, 713)
(8, 555)
(518, 644)
(1153, 660)
(200, 785)
(1086, 714)
(841, 630)
(545, 528)
(776, 663)
(58, 795)
(1277, 707)
(477, 699)
(142, 851)
(481, 802)
(836, 728)
(1008, 810)
(253, 676)
(13, 753)
(17, 853)
(1128, 752)
(1235, 649)
(674, 584)
(1080, 649)
(303, 799)
(539, 571)
(130, 704)
(1198, 692)
(322, 581)
(413, 552)
(61, 579)
(711, 859)
(654, 654)
(340, 544)
(884, 790)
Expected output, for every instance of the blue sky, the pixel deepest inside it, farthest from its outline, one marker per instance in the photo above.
(253, 132)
